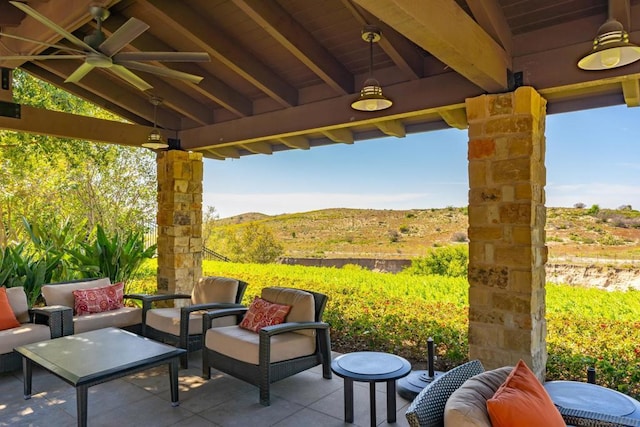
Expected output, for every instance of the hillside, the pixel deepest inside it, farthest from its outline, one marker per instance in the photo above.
(367, 233)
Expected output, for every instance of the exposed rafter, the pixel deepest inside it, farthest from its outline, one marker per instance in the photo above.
(489, 15)
(631, 92)
(258, 147)
(456, 118)
(392, 128)
(295, 142)
(339, 135)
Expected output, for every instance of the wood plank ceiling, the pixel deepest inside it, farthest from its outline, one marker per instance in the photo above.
(283, 73)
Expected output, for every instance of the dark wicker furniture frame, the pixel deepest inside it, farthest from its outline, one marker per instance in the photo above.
(187, 341)
(265, 373)
(51, 316)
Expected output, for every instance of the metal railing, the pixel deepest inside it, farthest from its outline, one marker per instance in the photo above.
(151, 238)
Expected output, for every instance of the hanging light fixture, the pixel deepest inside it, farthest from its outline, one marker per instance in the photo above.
(611, 48)
(371, 97)
(154, 140)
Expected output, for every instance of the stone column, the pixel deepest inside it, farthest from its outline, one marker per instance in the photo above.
(179, 220)
(507, 252)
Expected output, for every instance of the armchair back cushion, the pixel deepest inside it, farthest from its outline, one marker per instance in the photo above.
(302, 305)
(7, 318)
(18, 301)
(62, 294)
(214, 289)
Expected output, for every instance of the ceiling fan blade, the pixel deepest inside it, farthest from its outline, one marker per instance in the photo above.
(79, 73)
(161, 71)
(49, 23)
(39, 57)
(123, 36)
(57, 46)
(129, 77)
(163, 56)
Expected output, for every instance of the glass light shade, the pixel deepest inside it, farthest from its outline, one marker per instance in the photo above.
(371, 98)
(154, 141)
(611, 48)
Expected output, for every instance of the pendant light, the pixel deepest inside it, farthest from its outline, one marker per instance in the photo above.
(611, 48)
(371, 97)
(154, 140)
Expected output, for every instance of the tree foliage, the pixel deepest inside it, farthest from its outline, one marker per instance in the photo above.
(255, 243)
(51, 180)
(451, 261)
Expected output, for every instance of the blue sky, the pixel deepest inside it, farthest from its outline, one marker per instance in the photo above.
(593, 157)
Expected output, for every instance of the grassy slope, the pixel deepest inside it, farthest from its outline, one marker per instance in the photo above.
(368, 233)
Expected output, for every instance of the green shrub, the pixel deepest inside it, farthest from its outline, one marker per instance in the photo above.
(451, 261)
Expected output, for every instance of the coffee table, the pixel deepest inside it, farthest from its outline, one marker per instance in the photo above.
(94, 357)
(371, 367)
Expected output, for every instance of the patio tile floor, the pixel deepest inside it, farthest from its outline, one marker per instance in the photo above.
(143, 399)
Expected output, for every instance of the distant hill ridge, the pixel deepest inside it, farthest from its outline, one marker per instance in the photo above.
(404, 234)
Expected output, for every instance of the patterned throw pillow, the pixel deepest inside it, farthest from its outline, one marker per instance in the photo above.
(263, 313)
(97, 300)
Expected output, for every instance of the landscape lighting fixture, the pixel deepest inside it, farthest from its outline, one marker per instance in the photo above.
(611, 48)
(371, 97)
(154, 140)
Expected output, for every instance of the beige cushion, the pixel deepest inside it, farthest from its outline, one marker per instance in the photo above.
(467, 406)
(119, 318)
(168, 320)
(301, 302)
(25, 334)
(62, 294)
(18, 302)
(242, 344)
(214, 289)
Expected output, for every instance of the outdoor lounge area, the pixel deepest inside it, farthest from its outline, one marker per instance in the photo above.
(143, 399)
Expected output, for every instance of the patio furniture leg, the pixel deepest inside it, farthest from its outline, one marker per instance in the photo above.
(372, 403)
(391, 401)
(81, 403)
(348, 400)
(27, 373)
(173, 378)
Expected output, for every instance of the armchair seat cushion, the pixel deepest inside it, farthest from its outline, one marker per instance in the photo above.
(168, 320)
(242, 344)
(119, 318)
(26, 333)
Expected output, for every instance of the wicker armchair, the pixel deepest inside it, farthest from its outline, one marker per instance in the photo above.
(276, 352)
(182, 326)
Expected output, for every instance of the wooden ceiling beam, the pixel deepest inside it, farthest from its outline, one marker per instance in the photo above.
(488, 13)
(296, 39)
(340, 135)
(258, 147)
(211, 87)
(96, 82)
(631, 92)
(225, 152)
(64, 125)
(299, 142)
(208, 39)
(400, 50)
(456, 118)
(392, 128)
(465, 46)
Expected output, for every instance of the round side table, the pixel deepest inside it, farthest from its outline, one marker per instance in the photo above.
(372, 367)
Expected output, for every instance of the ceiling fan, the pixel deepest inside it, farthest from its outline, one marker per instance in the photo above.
(100, 51)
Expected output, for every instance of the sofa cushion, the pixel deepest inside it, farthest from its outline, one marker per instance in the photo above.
(97, 300)
(7, 318)
(523, 402)
(214, 289)
(243, 345)
(120, 318)
(263, 313)
(18, 300)
(62, 293)
(24, 334)
(467, 406)
(168, 320)
(302, 305)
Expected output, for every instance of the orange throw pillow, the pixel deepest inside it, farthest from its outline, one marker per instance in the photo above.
(7, 318)
(521, 401)
(263, 313)
(97, 300)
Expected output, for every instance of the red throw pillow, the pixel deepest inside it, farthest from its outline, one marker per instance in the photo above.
(7, 317)
(97, 300)
(521, 401)
(263, 313)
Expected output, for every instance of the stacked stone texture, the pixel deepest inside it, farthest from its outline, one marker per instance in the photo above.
(507, 252)
(179, 220)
